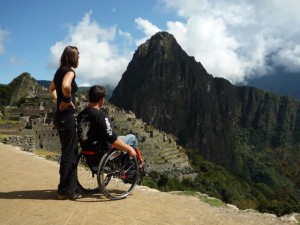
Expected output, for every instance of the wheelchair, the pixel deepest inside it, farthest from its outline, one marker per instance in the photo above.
(113, 173)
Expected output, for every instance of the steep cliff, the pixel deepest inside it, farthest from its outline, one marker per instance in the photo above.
(253, 133)
(173, 92)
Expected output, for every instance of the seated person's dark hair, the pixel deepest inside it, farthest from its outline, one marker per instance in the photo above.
(96, 93)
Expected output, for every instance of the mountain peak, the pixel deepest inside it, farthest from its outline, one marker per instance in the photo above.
(22, 86)
(161, 43)
(158, 66)
(21, 77)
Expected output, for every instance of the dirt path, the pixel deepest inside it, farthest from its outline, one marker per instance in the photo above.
(28, 197)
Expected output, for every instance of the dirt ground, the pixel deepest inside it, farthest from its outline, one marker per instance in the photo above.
(28, 196)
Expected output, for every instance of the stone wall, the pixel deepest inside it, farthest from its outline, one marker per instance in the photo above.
(47, 137)
(43, 135)
(26, 142)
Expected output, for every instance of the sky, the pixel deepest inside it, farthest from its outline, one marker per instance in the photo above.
(234, 39)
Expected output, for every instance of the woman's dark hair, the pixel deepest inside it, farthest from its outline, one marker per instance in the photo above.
(70, 57)
(96, 93)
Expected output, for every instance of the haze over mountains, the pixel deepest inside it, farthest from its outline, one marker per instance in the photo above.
(281, 83)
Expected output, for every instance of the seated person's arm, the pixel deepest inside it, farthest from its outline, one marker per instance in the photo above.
(119, 144)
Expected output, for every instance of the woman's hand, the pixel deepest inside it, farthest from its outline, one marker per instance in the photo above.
(63, 105)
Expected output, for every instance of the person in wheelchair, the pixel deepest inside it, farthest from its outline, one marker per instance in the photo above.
(95, 131)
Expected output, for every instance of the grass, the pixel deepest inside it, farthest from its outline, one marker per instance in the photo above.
(2, 121)
(203, 197)
(46, 154)
(3, 136)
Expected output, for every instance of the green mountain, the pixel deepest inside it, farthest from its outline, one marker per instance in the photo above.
(23, 86)
(5, 94)
(18, 89)
(253, 133)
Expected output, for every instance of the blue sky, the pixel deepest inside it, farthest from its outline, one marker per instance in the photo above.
(234, 39)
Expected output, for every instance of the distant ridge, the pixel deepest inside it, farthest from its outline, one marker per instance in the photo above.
(281, 83)
(44, 83)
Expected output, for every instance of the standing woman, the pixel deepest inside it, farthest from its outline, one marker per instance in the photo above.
(63, 88)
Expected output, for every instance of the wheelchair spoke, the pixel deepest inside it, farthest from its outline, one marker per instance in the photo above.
(86, 178)
(117, 175)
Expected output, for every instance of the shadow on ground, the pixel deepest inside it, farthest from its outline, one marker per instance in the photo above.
(46, 195)
(32, 194)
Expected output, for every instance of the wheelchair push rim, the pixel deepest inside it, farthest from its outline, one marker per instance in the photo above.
(117, 174)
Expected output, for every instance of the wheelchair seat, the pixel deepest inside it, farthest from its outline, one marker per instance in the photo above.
(92, 158)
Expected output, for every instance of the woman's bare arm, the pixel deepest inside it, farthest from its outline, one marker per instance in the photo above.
(67, 83)
(52, 90)
(67, 89)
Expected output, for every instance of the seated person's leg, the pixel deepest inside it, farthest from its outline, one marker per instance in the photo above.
(130, 139)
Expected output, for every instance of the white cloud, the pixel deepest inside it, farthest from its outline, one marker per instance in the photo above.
(4, 34)
(147, 28)
(234, 39)
(289, 58)
(207, 40)
(237, 39)
(100, 60)
(127, 37)
(15, 61)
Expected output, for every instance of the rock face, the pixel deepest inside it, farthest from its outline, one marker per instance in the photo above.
(23, 86)
(173, 92)
(253, 133)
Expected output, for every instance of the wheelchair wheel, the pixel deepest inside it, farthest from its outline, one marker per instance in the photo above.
(86, 176)
(117, 174)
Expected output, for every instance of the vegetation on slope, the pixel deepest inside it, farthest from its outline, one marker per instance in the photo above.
(220, 183)
(5, 94)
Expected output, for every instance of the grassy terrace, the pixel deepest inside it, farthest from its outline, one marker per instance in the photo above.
(2, 122)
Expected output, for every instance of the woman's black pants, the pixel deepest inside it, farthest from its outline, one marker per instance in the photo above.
(66, 127)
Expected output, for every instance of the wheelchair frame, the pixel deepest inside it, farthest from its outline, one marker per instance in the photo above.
(115, 176)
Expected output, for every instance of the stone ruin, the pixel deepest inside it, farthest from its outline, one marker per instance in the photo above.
(159, 149)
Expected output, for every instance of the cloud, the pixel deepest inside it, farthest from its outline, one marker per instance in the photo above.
(127, 36)
(4, 35)
(101, 61)
(147, 28)
(238, 39)
(234, 39)
(288, 58)
(197, 37)
(15, 61)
